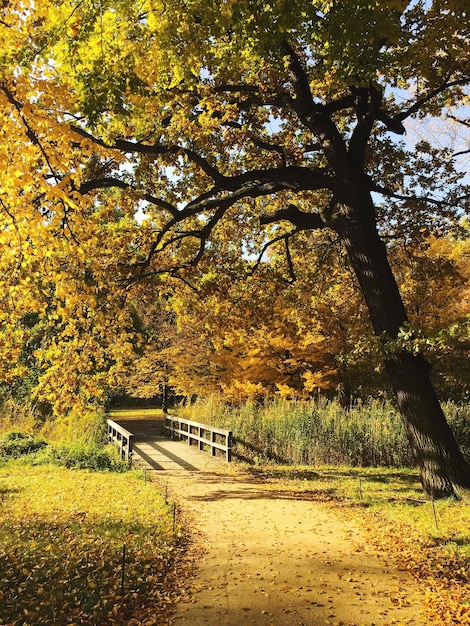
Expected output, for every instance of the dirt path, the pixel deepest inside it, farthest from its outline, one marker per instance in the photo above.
(267, 557)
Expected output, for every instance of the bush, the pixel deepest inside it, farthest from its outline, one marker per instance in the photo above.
(33, 450)
(14, 445)
(84, 456)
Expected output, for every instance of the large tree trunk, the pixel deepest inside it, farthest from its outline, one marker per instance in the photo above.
(443, 470)
(442, 467)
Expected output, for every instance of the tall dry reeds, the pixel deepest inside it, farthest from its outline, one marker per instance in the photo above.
(320, 431)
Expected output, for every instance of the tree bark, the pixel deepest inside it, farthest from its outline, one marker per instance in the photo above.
(165, 398)
(441, 465)
(443, 470)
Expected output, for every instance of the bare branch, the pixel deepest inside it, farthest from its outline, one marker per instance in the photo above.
(398, 196)
(461, 153)
(312, 147)
(290, 263)
(416, 107)
(266, 246)
(459, 121)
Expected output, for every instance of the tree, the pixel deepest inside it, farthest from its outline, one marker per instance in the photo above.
(280, 115)
(303, 336)
(287, 341)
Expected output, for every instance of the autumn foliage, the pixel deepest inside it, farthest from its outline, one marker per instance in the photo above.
(155, 153)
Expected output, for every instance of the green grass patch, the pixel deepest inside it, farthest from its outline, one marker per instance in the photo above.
(62, 534)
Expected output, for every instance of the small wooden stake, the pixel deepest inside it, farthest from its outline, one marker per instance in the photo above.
(123, 569)
(434, 513)
(174, 516)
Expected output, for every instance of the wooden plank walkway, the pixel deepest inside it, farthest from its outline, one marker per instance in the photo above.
(154, 450)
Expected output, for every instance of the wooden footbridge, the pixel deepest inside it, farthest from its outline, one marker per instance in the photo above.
(169, 443)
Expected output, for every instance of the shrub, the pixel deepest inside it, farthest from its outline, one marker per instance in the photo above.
(36, 451)
(84, 456)
(14, 445)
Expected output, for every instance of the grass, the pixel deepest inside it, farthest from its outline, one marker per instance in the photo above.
(320, 431)
(62, 536)
(62, 531)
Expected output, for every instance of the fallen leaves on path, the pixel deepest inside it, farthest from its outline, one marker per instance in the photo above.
(433, 559)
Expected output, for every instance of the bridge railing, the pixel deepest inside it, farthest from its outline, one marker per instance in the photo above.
(202, 435)
(123, 438)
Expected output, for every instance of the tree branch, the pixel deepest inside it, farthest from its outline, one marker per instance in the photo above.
(267, 245)
(110, 181)
(461, 153)
(303, 104)
(156, 149)
(392, 194)
(367, 107)
(125, 146)
(290, 263)
(459, 121)
(32, 136)
(300, 219)
(416, 107)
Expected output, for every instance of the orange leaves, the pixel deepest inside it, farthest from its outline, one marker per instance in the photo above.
(444, 572)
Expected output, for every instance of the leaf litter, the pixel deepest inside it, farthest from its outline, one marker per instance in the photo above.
(62, 536)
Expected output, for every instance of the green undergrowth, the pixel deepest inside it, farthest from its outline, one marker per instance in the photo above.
(64, 536)
(431, 540)
(33, 450)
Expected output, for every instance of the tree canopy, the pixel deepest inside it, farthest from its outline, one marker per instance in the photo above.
(232, 127)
